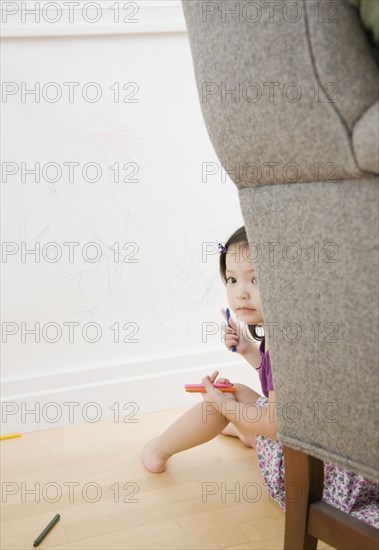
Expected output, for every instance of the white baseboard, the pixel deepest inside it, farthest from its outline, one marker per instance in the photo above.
(118, 391)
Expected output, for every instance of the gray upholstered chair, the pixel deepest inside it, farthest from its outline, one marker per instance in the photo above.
(289, 95)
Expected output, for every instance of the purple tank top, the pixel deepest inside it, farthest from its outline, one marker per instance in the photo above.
(265, 374)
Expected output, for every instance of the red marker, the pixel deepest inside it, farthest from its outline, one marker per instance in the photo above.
(200, 388)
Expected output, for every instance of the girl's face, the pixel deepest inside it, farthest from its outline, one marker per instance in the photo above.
(241, 285)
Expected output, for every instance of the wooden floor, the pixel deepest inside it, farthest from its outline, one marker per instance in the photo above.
(211, 496)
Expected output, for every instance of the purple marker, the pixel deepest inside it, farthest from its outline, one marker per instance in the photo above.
(234, 348)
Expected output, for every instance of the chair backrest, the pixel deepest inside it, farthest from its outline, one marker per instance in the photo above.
(282, 91)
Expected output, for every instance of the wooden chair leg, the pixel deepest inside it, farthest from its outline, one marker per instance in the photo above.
(304, 481)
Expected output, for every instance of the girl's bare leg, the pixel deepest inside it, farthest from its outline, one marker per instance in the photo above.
(232, 430)
(198, 425)
(246, 395)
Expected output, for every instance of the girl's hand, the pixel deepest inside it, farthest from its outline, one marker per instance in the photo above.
(234, 336)
(213, 395)
(223, 381)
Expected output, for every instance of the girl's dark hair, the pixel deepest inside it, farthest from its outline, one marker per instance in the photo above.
(239, 237)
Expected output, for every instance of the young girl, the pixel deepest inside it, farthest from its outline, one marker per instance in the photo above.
(245, 413)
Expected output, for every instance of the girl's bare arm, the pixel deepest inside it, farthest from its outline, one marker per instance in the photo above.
(248, 418)
(252, 355)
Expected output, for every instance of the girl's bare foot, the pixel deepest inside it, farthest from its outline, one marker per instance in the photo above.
(152, 458)
(232, 430)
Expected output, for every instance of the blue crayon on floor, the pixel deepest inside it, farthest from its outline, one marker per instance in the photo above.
(234, 348)
(46, 530)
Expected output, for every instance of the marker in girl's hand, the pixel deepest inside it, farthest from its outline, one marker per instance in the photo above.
(199, 388)
(234, 348)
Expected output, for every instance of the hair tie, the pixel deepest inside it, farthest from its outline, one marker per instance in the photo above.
(221, 248)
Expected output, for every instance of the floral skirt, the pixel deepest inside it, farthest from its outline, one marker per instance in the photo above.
(345, 490)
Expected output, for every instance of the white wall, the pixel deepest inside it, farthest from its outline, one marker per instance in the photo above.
(170, 290)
